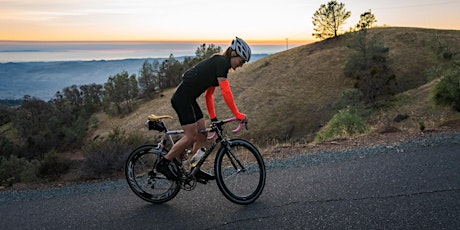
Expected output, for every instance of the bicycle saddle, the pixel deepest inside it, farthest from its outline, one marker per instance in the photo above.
(153, 117)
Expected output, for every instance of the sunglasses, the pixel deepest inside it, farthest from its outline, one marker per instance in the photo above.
(242, 61)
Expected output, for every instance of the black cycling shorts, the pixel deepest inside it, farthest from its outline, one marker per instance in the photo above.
(186, 107)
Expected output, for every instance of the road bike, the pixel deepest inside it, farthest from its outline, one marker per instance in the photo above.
(239, 168)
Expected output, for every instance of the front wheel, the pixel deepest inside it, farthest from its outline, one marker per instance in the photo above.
(144, 180)
(240, 171)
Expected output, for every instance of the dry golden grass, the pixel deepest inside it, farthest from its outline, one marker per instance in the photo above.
(288, 95)
(416, 105)
(135, 122)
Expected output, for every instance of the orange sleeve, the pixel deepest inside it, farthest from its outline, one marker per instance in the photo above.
(228, 98)
(210, 102)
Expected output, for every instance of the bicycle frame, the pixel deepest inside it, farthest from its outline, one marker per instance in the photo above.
(239, 169)
(218, 137)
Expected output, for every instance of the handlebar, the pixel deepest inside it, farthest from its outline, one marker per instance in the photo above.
(240, 124)
(219, 123)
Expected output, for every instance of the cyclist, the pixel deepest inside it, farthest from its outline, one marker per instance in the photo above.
(203, 78)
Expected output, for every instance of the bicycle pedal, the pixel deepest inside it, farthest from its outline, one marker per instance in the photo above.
(202, 181)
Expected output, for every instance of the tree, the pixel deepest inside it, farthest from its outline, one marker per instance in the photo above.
(368, 64)
(121, 89)
(170, 73)
(32, 123)
(203, 52)
(92, 96)
(328, 19)
(73, 102)
(72, 94)
(148, 78)
(5, 114)
(366, 20)
(447, 91)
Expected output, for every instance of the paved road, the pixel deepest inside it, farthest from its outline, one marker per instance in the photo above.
(412, 189)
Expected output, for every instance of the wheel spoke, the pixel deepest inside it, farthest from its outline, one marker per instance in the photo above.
(144, 180)
(240, 172)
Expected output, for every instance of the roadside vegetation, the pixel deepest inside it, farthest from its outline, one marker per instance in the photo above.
(350, 83)
(38, 136)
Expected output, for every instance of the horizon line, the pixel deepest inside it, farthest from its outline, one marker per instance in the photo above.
(204, 41)
(207, 41)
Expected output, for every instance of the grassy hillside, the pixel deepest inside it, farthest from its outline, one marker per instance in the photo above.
(288, 95)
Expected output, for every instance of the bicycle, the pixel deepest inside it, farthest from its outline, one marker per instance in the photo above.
(238, 166)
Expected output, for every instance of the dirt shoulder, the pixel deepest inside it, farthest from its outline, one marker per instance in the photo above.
(388, 137)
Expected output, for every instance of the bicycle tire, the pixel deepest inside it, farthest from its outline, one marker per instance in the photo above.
(240, 186)
(146, 182)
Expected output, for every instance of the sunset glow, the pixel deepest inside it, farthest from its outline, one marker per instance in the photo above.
(202, 20)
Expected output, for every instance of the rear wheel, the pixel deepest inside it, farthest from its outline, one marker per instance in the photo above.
(240, 171)
(144, 180)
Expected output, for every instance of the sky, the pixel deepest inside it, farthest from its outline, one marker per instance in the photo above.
(202, 20)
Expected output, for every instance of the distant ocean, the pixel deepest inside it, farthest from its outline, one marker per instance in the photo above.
(11, 51)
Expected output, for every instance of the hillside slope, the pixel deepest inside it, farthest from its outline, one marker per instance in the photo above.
(288, 95)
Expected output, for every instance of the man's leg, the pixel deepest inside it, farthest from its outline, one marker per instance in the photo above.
(189, 138)
(201, 137)
(165, 166)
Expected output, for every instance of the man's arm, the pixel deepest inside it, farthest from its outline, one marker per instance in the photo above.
(228, 98)
(210, 102)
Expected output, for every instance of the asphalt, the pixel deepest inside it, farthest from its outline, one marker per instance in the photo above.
(409, 186)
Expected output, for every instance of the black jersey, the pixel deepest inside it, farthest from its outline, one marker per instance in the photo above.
(204, 75)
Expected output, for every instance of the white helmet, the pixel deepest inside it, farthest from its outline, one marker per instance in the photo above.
(241, 48)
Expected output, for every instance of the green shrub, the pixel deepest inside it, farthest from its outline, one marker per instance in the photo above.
(346, 122)
(352, 98)
(31, 171)
(11, 169)
(106, 158)
(14, 169)
(53, 165)
(137, 139)
(5, 114)
(447, 91)
(6, 147)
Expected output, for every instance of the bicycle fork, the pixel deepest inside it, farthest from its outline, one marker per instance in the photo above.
(233, 158)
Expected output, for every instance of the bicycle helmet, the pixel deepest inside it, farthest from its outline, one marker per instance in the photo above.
(241, 48)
